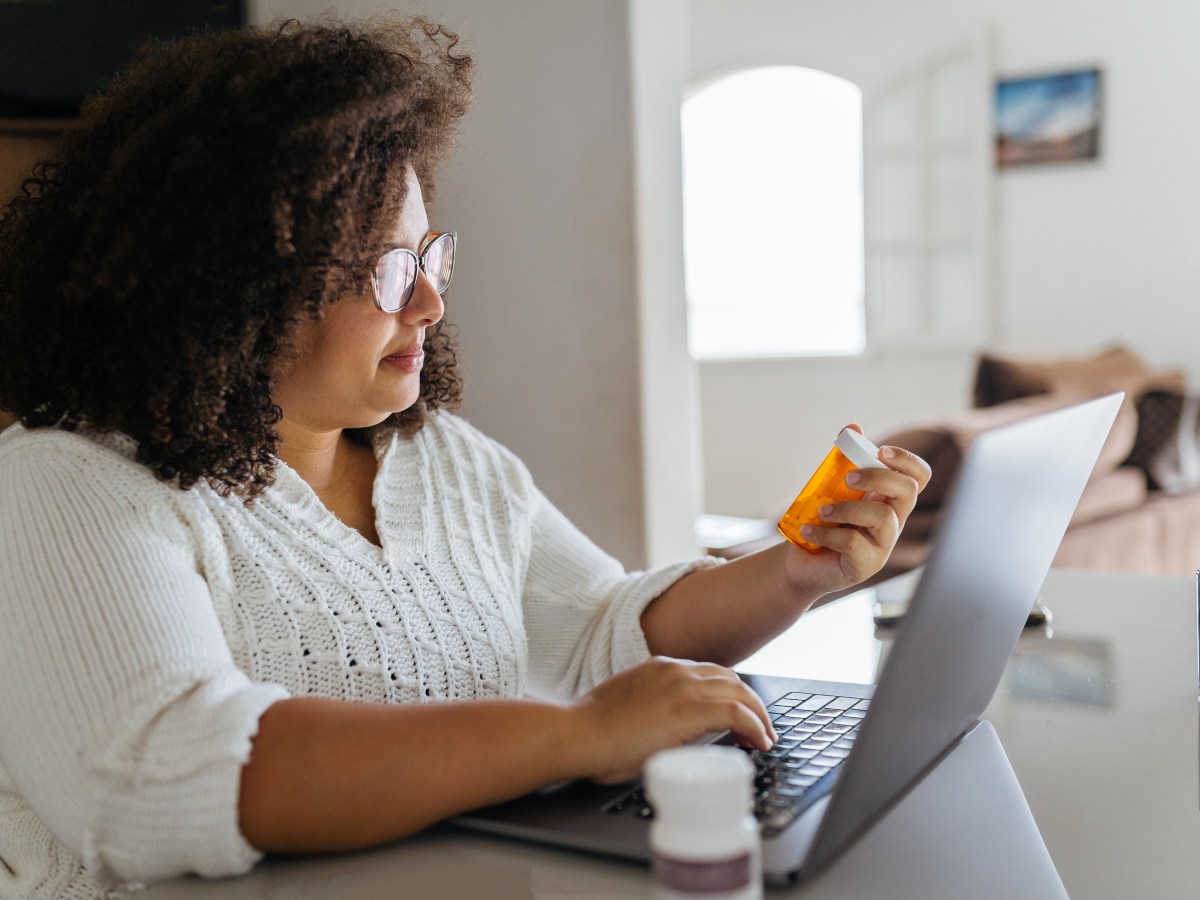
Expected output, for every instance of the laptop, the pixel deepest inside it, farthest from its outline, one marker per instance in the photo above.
(1000, 529)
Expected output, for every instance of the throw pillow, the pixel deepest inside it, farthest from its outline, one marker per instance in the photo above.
(1175, 467)
(942, 441)
(1158, 420)
(999, 379)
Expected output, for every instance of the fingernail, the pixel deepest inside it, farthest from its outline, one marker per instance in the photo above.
(807, 530)
(888, 452)
(853, 478)
(825, 510)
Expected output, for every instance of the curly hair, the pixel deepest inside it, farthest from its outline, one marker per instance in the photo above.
(152, 276)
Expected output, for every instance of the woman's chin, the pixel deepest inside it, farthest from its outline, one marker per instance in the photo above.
(399, 405)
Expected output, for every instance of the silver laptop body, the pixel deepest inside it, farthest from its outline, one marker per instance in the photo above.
(998, 534)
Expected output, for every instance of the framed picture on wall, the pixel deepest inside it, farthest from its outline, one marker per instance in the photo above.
(1050, 118)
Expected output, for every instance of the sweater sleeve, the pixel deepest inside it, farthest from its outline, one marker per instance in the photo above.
(582, 609)
(125, 720)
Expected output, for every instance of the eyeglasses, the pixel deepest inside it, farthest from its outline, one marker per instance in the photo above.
(395, 275)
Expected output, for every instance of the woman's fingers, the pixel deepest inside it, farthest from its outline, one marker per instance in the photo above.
(880, 518)
(737, 691)
(663, 703)
(908, 463)
(901, 460)
(891, 484)
(862, 533)
(716, 683)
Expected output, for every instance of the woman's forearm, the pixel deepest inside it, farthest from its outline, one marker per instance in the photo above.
(724, 613)
(328, 775)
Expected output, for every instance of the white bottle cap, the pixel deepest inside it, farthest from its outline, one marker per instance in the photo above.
(700, 785)
(858, 450)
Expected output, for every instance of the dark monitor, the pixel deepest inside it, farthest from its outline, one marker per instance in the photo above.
(53, 53)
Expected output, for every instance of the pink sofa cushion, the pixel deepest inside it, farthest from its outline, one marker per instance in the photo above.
(942, 441)
(1112, 493)
(999, 379)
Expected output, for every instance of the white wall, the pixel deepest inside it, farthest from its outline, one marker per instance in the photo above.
(671, 456)
(1086, 255)
(546, 293)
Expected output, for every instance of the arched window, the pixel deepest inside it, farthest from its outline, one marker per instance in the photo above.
(773, 215)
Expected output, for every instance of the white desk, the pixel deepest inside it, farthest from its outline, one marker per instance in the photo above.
(1099, 721)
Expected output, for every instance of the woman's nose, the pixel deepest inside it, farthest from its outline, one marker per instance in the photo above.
(426, 306)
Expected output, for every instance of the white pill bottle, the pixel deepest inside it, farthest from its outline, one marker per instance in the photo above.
(704, 839)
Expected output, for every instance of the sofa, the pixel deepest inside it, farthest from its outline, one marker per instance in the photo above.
(1140, 511)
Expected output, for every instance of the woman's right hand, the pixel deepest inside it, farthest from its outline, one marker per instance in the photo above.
(664, 703)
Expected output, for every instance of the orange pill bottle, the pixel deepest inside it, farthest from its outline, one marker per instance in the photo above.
(828, 485)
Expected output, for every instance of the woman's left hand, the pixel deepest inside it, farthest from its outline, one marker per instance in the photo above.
(725, 613)
(866, 530)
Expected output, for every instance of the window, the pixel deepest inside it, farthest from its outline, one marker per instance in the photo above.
(773, 215)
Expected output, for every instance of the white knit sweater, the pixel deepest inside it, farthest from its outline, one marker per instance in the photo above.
(144, 630)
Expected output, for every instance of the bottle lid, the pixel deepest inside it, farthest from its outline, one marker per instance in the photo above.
(696, 785)
(858, 450)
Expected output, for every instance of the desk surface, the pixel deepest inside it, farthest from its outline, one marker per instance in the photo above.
(1098, 719)
(1100, 724)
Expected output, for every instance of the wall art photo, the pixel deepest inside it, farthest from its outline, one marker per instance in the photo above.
(1048, 118)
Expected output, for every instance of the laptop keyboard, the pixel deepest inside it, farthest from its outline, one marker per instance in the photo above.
(816, 732)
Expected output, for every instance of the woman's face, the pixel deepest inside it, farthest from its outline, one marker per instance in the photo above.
(358, 365)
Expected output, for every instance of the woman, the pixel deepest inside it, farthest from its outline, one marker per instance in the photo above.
(248, 548)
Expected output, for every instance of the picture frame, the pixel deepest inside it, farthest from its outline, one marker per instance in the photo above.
(1048, 118)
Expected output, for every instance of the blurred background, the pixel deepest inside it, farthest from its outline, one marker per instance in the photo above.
(664, 321)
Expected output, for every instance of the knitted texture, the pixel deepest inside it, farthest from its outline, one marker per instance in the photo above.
(146, 630)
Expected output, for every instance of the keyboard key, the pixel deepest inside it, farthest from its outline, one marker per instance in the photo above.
(816, 701)
(791, 700)
(831, 732)
(792, 791)
(816, 744)
(841, 703)
(843, 744)
(804, 781)
(815, 770)
(836, 752)
(862, 704)
(827, 760)
(804, 754)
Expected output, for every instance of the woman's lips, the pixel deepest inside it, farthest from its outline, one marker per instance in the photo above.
(408, 360)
